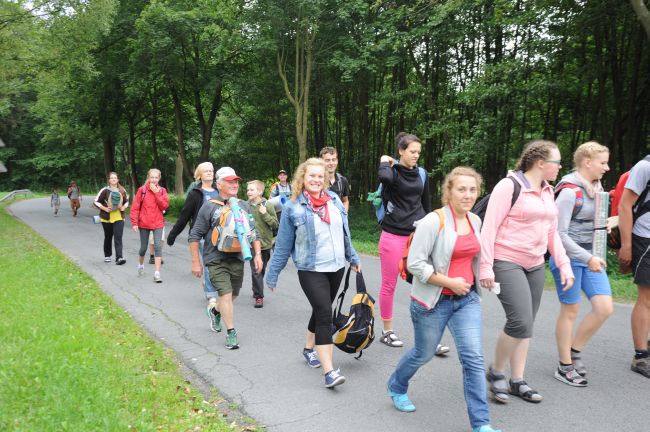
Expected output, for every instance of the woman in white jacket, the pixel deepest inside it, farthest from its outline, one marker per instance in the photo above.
(444, 259)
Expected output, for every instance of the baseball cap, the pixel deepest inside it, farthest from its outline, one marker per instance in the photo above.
(282, 172)
(227, 173)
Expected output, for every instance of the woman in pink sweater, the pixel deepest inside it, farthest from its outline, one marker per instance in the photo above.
(514, 240)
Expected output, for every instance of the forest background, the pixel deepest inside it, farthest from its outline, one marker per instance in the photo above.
(88, 87)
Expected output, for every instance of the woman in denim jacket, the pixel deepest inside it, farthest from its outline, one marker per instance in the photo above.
(314, 231)
(444, 259)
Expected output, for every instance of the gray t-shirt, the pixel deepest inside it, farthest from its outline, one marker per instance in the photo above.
(639, 177)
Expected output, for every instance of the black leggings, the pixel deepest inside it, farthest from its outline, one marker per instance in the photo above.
(321, 289)
(113, 230)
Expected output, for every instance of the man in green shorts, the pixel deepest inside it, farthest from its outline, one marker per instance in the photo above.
(225, 267)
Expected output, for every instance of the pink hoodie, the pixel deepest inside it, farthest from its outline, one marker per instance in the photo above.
(522, 234)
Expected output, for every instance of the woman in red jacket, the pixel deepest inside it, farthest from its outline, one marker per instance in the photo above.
(147, 216)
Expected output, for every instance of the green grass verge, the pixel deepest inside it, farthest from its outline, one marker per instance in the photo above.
(72, 360)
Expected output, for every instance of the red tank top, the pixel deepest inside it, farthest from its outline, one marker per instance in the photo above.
(466, 247)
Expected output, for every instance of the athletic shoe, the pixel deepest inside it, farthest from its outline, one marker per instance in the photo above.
(570, 376)
(152, 259)
(140, 270)
(231, 339)
(311, 358)
(259, 303)
(107, 259)
(641, 366)
(156, 277)
(334, 378)
(485, 428)
(401, 401)
(215, 318)
(442, 350)
(120, 261)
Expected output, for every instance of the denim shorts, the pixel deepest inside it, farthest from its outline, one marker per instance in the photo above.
(592, 283)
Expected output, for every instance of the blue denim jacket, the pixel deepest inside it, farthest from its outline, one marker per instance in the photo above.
(297, 237)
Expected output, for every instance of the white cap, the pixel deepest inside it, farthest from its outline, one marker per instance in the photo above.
(227, 173)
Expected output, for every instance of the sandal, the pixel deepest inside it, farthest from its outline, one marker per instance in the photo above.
(498, 386)
(571, 377)
(523, 390)
(579, 366)
(390, 338)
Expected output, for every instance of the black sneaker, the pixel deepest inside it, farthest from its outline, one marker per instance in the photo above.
(120, 261)
(152, 259)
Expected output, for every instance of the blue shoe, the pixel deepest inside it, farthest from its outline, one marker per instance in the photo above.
(401, 401)
(334, 378)
(485, 428)
(311, 358)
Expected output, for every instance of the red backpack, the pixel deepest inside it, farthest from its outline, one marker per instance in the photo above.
(404, 272)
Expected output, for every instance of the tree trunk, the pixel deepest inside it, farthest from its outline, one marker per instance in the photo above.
(178, 183)
(180, 138)
(642, 14)
(109, 153)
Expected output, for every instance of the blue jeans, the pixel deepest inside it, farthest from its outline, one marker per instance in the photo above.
(209, 290)
(463, 317)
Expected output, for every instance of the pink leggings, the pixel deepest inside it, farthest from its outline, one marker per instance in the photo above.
(391, 247)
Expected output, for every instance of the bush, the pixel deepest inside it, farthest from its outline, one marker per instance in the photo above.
(175, 206)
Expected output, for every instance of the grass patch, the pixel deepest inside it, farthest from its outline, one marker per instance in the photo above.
(72, 360)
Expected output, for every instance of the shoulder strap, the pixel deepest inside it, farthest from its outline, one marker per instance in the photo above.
(216, 201)
(441, 216)
(423, 175)
(515, 192)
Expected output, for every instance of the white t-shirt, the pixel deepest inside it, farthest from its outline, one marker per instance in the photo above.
(639, 177)
(330, 246)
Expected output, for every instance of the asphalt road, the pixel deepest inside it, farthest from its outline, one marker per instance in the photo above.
(269, 380)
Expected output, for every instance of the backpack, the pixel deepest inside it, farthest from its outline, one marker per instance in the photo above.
(380, 200)
(224, 224)
(480, 207)
(404, 272)
(580, 199)
(355, 331)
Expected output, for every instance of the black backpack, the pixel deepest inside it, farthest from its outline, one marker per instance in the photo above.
(480, 207)
(355, 331)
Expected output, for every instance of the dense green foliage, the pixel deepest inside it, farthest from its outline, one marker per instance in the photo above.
(92, 86)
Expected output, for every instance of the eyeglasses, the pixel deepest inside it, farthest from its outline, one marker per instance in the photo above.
(558, 162)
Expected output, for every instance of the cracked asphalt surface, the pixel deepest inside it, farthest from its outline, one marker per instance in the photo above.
(269, 380)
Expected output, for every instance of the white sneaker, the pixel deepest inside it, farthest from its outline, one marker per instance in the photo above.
(107, 259)
(156, 277)
(140, 270)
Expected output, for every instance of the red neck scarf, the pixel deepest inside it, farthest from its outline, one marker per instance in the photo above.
(319, 205)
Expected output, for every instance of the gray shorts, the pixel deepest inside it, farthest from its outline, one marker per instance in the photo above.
(521, 293)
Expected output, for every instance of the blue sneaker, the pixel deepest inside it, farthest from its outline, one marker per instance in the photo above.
(311, 358)
(334, 378)
(401, 401)
(485, 428)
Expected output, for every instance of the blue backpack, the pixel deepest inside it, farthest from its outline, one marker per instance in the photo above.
(379, 199)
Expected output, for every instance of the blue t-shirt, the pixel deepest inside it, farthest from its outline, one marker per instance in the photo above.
(208, 195)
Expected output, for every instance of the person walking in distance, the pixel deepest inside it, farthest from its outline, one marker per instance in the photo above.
(314, 232)
(265, 222)
(55, 202)
(112, 201)
(514, 239)
(74, 194)
(225, 268)
(576, 204)
(338, 183)
(634, 225)
(203, 191)
(406, 200)
(147, 215)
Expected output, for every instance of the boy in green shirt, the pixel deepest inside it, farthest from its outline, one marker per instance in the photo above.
(266, 221)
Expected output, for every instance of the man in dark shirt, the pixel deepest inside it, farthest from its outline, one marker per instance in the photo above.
(338, 183)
